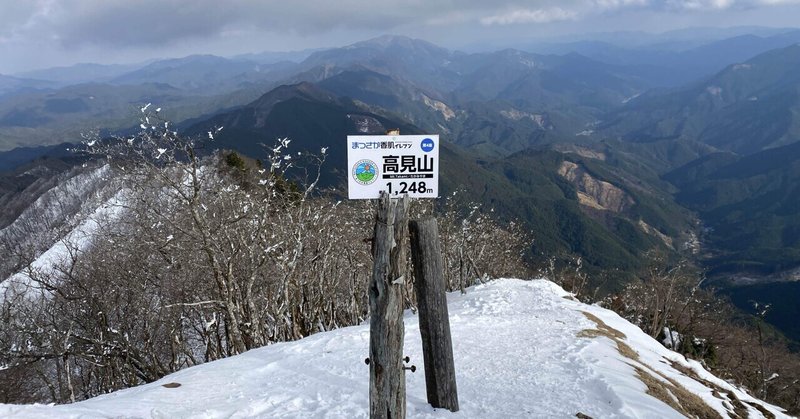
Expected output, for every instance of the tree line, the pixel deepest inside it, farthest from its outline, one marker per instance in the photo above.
(205, 257)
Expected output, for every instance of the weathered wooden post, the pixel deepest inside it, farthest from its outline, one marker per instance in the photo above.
(387, 166)
(434, 321)
(387, 384)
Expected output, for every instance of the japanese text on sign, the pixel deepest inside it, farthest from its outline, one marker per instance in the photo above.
(397, 164)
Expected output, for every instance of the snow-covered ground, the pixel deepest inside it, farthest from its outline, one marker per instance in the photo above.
(523, 349)
(63, 250)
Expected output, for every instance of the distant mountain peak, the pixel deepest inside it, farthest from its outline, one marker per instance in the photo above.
(303, 89)
(385, 41)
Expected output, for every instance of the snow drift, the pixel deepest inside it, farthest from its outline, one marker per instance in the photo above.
(521, 348)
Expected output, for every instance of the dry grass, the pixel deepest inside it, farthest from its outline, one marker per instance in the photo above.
(627, 351)
(605, 330)
(738, 407)
(603, 326)
(593, 333)
(667, 390)
(693, 375)
(657, 389)
(767, 414)
(676, 396)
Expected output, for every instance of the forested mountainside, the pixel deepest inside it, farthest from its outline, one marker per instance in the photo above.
(605, 173)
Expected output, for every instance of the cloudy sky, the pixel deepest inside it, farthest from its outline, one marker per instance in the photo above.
(43, 33)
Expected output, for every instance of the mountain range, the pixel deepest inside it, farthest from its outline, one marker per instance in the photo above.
(603, 151)
(745, 108)
(672, 62)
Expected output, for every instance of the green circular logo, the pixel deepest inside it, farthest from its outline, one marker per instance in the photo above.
(365, 172)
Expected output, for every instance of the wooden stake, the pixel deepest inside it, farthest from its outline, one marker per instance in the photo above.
(387, 384)
(434, 321)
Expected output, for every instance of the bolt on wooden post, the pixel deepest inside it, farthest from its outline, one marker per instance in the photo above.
(387, 384)
(434, 321)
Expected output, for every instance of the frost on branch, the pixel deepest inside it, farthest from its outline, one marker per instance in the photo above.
(156, 143)
(211, 255)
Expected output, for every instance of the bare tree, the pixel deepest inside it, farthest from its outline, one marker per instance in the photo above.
(476, 247)
(203, 257)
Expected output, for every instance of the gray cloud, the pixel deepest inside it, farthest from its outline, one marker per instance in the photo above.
(33, 30)
(554, 14)
(710, 5)
(560, 11)
(15, 16)
(138, 23)
(124, 23)
(148, 22)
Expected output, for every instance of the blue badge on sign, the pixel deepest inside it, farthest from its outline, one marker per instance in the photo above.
(427, 145)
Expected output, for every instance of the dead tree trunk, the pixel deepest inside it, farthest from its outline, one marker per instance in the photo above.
(387, 388)
(434, 321)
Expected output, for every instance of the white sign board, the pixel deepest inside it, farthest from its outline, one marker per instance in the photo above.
(397, 164)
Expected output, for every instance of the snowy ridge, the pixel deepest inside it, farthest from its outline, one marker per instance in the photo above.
(523, 349)
(77, 192)
(60, 254)
(54, 214)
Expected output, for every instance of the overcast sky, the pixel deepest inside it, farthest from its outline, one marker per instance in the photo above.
(43, 33)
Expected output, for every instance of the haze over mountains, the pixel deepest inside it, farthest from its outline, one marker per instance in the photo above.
(605, 150)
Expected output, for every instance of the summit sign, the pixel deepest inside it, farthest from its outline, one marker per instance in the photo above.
(396, 164)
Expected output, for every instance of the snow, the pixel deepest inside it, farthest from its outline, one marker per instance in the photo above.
(519, 352)
(714, 90)
(630, 98)
(672, 339)
(61, 252)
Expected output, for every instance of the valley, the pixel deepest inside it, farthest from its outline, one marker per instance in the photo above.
(603, 153)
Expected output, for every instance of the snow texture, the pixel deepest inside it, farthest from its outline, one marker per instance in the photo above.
(521, 351)
(63, 250)
(672, 339)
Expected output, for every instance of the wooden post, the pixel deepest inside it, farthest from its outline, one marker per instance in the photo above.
(434, 322)
(387, 384)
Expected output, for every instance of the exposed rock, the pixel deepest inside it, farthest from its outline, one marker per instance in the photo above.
(692, 243)
(595, 193)
(714, 90)
(441, 107)
(589, 201)
(515, 115)
(581, 151)
(366, 124)
(647, 228)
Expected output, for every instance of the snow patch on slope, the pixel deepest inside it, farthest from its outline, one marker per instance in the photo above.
(61, 203)
(521, 348)
(62, 252)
